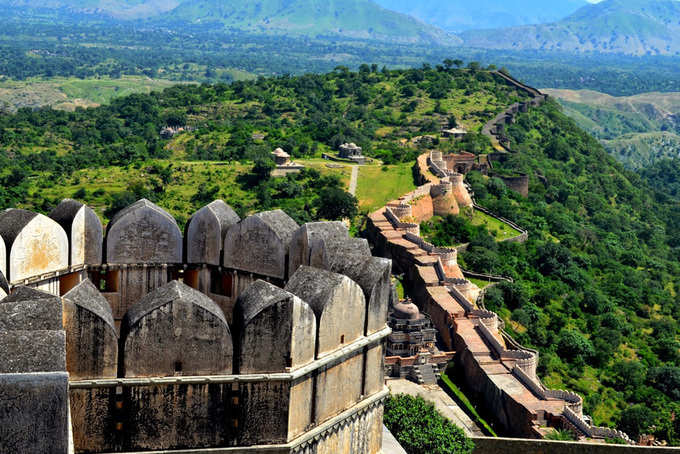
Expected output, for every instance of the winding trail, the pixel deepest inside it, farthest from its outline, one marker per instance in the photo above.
(353, 180)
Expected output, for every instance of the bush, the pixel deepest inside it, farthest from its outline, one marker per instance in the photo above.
(421, 429)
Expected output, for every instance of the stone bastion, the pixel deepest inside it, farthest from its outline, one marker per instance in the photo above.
(240, 335)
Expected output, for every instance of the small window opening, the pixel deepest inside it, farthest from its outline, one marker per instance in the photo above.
(342, 339)
(178, 366)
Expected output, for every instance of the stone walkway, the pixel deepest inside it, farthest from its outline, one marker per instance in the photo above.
(447, 406)
(353, 180)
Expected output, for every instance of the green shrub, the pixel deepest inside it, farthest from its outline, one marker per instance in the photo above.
(421, 429)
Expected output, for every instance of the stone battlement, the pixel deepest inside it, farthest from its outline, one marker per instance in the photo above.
(257, 330)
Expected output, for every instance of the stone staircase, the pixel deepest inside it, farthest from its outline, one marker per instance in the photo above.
(425, 374)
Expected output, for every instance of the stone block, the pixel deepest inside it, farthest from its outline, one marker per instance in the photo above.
(32, 351)
(259, 244)
(91, 335)
(35, 244)
(83, 229)
(276, 330)
(175, 330)
(338, 303)
(28, 309)
(34, 413)
(205, 233)
(310, 238)
(143, 233)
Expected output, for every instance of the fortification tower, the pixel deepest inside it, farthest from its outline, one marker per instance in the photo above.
(243, 333)
(443, 199)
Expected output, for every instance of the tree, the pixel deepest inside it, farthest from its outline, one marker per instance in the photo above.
(636, 420)
(335, 204)
(421, 429)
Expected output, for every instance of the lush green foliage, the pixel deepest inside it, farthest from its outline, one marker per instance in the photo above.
(596, 286)
(304, 115)
(421, 429)
(664, 176)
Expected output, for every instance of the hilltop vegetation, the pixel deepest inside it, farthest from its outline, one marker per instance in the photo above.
(638, 130)
(381, 110)
(596, 286)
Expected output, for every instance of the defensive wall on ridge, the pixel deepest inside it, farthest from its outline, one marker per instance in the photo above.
(495, 367)
(247, 335)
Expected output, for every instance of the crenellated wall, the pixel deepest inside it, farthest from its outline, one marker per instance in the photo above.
(172, 344)
(497, 369)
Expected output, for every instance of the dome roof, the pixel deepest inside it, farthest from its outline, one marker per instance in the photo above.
(406, 311)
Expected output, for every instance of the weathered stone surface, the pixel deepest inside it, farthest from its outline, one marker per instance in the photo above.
(4, 285)
(259, 244)
(28, 309)
(373, 276)
(206, 230)
(175, 330)
(34, 413)
(143, 233)
(338, 303)
(32, 351)
(276, 330)
(83, 229)
(34, 243)
(334, 250)
(310, 238)
(91, 336)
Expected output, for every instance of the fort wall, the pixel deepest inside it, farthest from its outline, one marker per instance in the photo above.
(153, 360)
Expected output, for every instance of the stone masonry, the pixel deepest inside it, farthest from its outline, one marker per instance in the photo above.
(256, 334)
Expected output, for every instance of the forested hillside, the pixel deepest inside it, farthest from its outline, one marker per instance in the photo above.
(307, 115)
(596, 287)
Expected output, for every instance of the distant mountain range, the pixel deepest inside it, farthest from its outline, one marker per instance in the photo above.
(350, 18)
(633, 27)
(362, 19)
(460, 15)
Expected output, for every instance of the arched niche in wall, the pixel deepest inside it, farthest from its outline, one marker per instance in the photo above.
(34, 244)
(259, 244)
(205, 233)
(83, 229)
(276, 330)
(143, 233)
(175, 330)
(338, 303)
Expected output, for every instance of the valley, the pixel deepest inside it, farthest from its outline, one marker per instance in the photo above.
(638, 130)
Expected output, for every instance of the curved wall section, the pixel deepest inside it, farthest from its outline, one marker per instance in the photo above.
(205, 233)
(35, 244)
(143, 233)
(175, 330)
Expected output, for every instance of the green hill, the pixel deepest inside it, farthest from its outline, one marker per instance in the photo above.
(349, 18)
(638, 130)
(633, 27)
(457, 16)
(354, 19)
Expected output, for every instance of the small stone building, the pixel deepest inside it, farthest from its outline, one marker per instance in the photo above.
(351, 151)
(281, 158)
(411, 349)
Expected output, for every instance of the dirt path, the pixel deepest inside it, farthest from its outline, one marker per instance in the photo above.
(353, 180)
